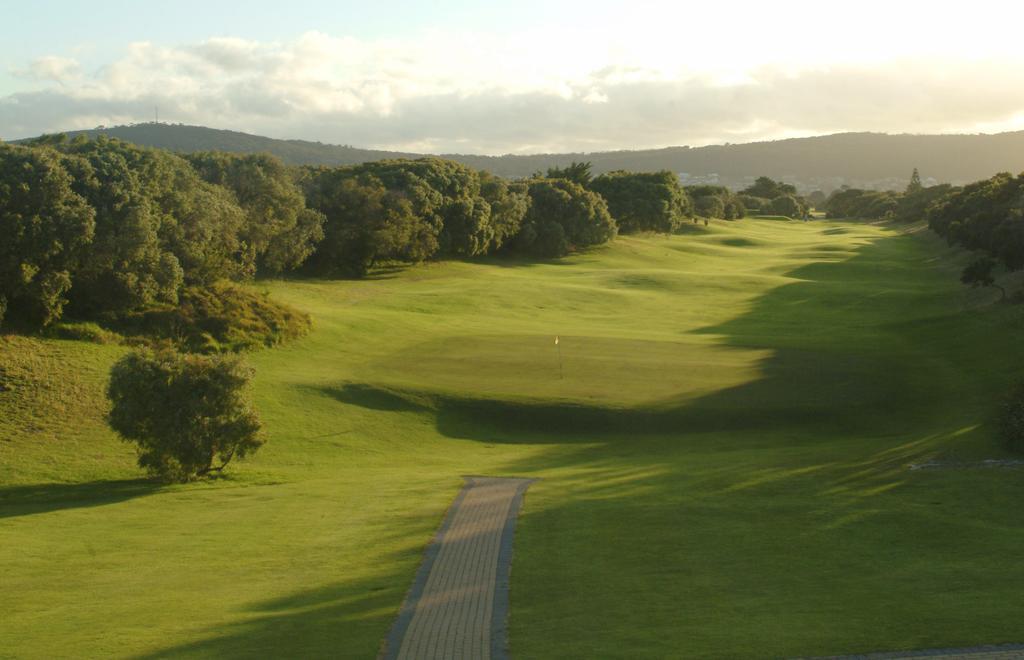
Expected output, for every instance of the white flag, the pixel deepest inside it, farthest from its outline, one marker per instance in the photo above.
(556, 340)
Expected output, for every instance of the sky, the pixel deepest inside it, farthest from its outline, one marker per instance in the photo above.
(515, 77)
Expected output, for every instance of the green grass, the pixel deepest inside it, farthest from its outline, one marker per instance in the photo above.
(723, 467)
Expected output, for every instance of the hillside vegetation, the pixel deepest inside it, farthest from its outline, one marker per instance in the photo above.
(723, 469)
(851, 156)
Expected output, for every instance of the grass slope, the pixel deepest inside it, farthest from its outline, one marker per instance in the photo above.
(723, 465)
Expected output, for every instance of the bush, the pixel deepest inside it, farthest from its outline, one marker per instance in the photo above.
(220, 318)
(84, 332)
(183, 411)
(1011, 419)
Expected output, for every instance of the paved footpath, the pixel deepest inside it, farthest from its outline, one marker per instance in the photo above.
(458, 604)
(995, 652)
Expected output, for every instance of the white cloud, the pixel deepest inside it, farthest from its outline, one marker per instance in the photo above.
(544, 90)
(50, 68)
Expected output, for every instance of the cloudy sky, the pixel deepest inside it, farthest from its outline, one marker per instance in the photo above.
(523, 76)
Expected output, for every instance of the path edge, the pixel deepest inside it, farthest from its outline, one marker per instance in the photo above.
(393, 641)
(500, 607)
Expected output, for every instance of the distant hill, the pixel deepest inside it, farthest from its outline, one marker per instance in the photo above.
(873, 160)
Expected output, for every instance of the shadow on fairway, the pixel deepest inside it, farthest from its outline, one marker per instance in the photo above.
(42, 498)
(306, 624)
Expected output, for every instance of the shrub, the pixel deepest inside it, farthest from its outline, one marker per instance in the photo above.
(1011, 419)
(183, 411)
(84, 332)
(220, 318)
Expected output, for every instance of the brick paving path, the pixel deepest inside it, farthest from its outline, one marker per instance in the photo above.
(458, 605)
(995, 652)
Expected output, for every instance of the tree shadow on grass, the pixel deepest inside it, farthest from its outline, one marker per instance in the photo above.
(27, 500)
(342, 618)
(316, 623)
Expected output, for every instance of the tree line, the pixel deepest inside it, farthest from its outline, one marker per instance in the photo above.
(101, 228)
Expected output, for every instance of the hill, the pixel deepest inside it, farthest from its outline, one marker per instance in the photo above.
(871, 160)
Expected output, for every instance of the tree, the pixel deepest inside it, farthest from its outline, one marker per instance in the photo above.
(915, 183)
(562, 216)
(365, 223)
(44, 228)
(787, 205)
(978, 273)
(579, 173)
(183, 411)
(1011, 419)
(281, 231)
(817, 199)
(768, 188)
(508, 202)
(709, 206)
(644, 201)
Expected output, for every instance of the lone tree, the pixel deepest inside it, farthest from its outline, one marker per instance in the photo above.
(184, 411)
(979, 273)
(915, 185)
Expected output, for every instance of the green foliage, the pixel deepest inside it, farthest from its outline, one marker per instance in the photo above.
(579, 173)
(1011, 419)
(912, 206)
(717, 202)
(864, 204)
(183, 411)
(83, 331)
(817, 199)
(278, 227)
(44, 228)
(365, 223)
(508, 202)
(562, 216)
(752, 203)
(769, 189)
(158, 227)
(915, 183)
(787, 205)
(644, 201)
(988, 216)
(217, 318)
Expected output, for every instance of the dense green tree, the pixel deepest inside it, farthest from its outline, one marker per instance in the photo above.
(1011, 419)
(278, 227)
(752, 203)
(644, 201)
(718, 202)
(857, 203)
(158, 227)
(913, 206)
(787, 205)
(562, 216)
(579, 173)
(508, 202)
(709, 206)
(987, 215)
(817, 199)
(979, 273)
(185, 412)
(365, 223)
(44, 228)
(768, 188)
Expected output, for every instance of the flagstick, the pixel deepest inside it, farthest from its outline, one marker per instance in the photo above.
(561, 376)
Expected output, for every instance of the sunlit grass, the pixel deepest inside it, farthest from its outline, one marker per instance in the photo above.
(722, 460)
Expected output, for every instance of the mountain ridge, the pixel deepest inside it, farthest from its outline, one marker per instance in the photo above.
(862, 159)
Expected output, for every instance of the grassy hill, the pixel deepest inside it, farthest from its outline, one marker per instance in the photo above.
(723, 468)
(852, 157)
